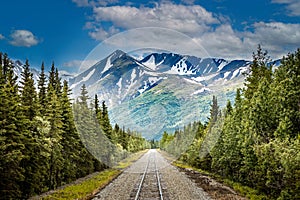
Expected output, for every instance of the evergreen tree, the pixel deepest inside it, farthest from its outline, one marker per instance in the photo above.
(31, 163)
(54, 116)
(286, 93)
(42, 90)
(1, 61)
(6, 66)
(259, 69)
(97, 108)
(228, 110)
(105, 122)
(84, 96)
(12, 134)
(28, 93)
(58, 86)
(51, 79)
(71, 145)
(214, 110)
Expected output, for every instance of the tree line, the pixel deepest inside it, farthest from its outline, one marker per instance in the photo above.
(40, 147)
(256, 141)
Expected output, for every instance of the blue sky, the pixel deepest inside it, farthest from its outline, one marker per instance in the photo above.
(65, 31)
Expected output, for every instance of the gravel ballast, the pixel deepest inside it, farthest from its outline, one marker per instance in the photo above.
(175, 184)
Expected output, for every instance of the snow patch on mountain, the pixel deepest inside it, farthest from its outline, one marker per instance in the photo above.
(148, 84)
(238, 72)
(150, 63)
(171, 72)
(202, 90)
(119, 84)
(226, 74)
(87, 77)
(152, 73)
(181, 67)
(222, 64)
(108, 64)
(133, 75)
(203, 78)
(192, 81)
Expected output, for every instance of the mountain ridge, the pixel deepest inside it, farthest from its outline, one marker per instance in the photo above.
(158, 86)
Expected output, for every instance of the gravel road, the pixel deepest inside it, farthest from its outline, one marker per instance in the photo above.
(175, 184)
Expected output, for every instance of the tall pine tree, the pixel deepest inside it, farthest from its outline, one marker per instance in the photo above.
(42, 90)
(12, 134)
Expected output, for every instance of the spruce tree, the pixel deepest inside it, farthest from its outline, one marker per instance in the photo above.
(12, 134)
(42, 90)
(54, 116)
(105, 122)
(258, 69)
(28, 92)
(58, 86)
(1, 61)
(214, 110)
(286, 92)
(228, 110)
(84, 96)
(31, 163)
(97, 108)
(51, 79)
(71, 144)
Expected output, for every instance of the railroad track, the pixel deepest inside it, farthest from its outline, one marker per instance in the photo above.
(149, 186)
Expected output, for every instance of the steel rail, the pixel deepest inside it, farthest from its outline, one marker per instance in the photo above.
(143, 178)
(158, 182)
(142, 181)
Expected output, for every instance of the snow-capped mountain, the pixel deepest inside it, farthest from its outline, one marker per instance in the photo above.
(18, 68)
(196, 68)
(161, 91)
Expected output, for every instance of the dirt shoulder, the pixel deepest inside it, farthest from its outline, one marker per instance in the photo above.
(215, 189)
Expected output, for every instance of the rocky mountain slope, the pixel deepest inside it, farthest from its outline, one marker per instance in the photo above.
(161, 91)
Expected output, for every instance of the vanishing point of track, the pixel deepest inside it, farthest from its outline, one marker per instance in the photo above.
(150, 184)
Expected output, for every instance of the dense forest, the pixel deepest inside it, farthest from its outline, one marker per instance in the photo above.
(41, 147)
(256, 141)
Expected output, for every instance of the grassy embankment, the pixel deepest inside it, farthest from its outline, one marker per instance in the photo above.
(88, 187)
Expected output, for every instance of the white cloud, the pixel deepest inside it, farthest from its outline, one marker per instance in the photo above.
(154, 38)
(276, 37)
(293, 6)
(23, 38)
(212, 32)
(2, 37)
(223, 42)
(80, 64)
(101, 34)
(190, 19)
(277, 33)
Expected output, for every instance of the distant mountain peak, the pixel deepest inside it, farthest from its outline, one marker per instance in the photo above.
(18, 62)
(133, 86)
(118, 52)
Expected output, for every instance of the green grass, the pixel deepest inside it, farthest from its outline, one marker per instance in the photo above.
(243, 190)
(89, 187)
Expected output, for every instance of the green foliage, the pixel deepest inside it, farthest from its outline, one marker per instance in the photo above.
(12, 134)
(85, 189)
(258, 145)
(39, 142)
(42, 90)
